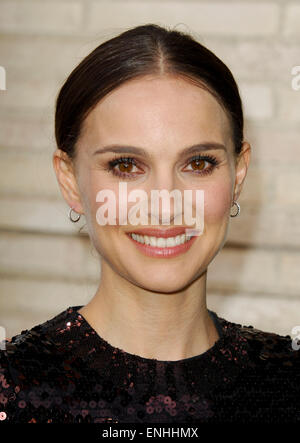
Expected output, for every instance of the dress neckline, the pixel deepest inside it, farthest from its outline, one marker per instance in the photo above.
(222, 344)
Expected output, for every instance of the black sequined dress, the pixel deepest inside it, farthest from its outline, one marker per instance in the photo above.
(62, 371)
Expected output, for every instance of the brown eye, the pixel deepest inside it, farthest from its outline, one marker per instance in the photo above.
(198, 165)
(125, 167)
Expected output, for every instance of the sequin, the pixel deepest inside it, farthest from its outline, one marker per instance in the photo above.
(61, 371)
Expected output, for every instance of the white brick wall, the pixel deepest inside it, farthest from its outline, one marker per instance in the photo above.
(41, 41)
(290, 104)
(41, 17)
(27, 173)
(205, 18)
(47, 256)
(257, 100)
(292, 19)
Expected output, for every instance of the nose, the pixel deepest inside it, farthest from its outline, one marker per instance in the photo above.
(166, 200)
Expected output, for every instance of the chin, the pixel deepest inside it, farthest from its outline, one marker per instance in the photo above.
(163, 284)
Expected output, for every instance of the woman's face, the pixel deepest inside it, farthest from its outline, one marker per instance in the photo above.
(163, 116)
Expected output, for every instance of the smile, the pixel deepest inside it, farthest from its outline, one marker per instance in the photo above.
(161, 242)
(164, 247)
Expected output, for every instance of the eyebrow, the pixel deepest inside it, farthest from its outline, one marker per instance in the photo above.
(142, 152)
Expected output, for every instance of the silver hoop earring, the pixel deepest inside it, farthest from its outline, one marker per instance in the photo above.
(238, 209)
(72, 219)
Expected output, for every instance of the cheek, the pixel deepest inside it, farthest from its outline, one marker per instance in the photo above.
(91, 186)
(217, 202)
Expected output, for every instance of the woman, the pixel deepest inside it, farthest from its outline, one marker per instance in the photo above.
(152, 109)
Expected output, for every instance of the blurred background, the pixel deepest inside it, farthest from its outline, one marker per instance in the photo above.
(46, 265)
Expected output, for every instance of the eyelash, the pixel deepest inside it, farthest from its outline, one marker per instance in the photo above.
(130, 160)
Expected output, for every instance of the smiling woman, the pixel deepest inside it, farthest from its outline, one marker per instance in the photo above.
(155, 109)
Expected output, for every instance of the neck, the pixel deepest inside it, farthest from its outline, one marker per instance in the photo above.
(162, 326)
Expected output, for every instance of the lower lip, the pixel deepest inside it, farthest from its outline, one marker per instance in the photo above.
(169, 252)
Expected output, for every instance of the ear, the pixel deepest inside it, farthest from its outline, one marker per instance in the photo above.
(242, 164)
(65, 174)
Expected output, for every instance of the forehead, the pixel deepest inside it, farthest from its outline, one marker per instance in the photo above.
(152, 110)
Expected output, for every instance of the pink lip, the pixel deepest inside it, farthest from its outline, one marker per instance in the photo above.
(160, 232)
(169, 252)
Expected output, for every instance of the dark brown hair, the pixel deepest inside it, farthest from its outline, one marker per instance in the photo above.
(143, 50)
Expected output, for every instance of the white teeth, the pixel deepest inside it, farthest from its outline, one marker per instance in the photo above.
(152, 241)
(171, 241)
(140, 238)
(147, 240)
(161, 242)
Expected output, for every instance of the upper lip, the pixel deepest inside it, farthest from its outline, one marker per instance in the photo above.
(160, 232)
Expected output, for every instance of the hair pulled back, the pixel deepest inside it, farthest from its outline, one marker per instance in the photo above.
(144, 50)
